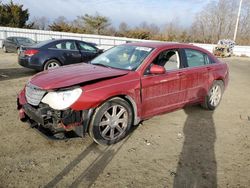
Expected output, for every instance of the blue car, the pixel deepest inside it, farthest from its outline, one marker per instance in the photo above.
(54, 53)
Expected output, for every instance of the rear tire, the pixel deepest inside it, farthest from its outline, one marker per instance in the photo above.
(213, 98)
(51, 64)
(18, 51)
(111, 122)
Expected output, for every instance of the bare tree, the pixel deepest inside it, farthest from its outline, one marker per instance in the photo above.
(215, 21)
(41, 23)
(123, 29)
(172, 30)
(152, 28)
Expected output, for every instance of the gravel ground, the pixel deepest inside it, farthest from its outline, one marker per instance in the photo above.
(186, 148)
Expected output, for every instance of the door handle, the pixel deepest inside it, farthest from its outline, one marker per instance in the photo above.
(181, 74)
(209, 68)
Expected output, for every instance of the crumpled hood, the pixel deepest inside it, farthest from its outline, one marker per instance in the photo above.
(72, 75)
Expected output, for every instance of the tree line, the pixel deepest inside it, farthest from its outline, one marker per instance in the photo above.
(215, 21)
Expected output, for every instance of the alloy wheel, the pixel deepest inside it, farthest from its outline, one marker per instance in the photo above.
(215, 95)
(53, 65)
(113, 122)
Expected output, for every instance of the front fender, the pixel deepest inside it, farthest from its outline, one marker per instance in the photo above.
(96, 94)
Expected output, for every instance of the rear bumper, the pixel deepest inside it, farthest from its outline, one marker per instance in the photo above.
(27, 62)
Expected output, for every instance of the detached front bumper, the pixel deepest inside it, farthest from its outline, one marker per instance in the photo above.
(33, 113)
(55, 121)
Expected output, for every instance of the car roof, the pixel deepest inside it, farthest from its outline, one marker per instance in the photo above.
(18, 37)
(65, 39)
(61, 39)
(50, 41)
(53, 41)
(152, 44)
(162, 45)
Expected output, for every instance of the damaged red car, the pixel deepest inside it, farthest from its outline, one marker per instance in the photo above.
(122, 87)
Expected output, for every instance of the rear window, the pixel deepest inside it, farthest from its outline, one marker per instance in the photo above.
(196, 58)
(43, 43)
(25, 40)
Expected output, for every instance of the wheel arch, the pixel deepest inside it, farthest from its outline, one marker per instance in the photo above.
(131, 102)
(216, 78)
(52, 58)
(220, 79)
(55, 58)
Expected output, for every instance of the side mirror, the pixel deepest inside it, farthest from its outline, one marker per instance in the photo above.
(156, 69)
(99, 51)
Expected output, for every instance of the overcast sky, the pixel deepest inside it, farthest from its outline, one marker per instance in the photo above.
(132, 12)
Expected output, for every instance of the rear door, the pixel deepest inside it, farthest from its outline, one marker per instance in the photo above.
(88, 51)
(197, 74)
(163, 92)
(67, 52)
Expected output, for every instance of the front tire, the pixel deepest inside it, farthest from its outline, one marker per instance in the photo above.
(51, 64)
(111, 122)
(213, 98)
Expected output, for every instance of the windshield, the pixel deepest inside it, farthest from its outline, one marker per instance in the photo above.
(123, 57)
(25, 41)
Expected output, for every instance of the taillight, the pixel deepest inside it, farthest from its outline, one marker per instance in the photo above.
(30, 52)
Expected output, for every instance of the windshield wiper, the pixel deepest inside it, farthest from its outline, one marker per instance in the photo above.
(99, 64)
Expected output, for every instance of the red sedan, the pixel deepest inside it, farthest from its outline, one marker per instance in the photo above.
(122, 87)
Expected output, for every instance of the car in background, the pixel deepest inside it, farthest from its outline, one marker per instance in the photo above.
(13, 44)
(55, 53)
(122, 87)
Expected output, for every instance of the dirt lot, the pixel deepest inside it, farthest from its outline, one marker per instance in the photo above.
(185, 148)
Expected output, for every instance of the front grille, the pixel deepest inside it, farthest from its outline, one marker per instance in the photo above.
(33, 94)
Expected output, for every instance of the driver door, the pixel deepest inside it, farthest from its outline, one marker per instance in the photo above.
(163, 92)
(88, 52)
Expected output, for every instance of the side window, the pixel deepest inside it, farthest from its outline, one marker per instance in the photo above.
(196, 58)
(168, 59)
(208, 60)
(85, 47)
(66, 45)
